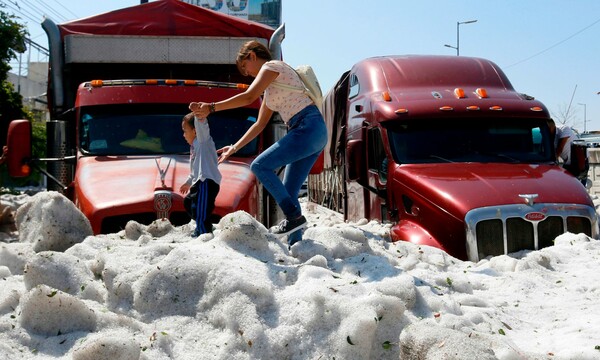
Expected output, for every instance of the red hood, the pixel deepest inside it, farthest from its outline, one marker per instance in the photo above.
(483, 185)
(120, 185)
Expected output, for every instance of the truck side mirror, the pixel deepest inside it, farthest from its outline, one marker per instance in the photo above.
(355, 160)
(579, 166)
(19, 148)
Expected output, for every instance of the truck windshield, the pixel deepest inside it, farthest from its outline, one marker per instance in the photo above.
(471, 140)
(156, 129)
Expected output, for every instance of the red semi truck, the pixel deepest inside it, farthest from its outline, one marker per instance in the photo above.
(119, 85)
(447, 151)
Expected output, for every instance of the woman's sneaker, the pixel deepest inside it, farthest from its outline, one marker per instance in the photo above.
(288, 226)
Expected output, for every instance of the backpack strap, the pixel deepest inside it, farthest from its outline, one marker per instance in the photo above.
(304, 89)
(281, 85)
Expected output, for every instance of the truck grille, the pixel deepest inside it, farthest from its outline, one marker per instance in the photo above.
(506, 229)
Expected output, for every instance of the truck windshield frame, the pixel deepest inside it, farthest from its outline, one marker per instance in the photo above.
(468, 140)
(155, 129)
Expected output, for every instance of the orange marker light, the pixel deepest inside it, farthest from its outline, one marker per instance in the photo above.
(170, 82)
(536, 108)
(386, 96)
(459, 93)
(96, 83)
(481, 92)
(473, 108)
(401, 111)
(446, 108)
(25, 169)
(242, 86)
(189, 82)
(151, 82)
(496, 108)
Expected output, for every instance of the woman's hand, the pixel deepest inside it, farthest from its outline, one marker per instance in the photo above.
(225, 152)
(200, 109)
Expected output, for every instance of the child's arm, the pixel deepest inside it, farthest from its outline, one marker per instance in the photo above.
(185, 187)
(202, 129)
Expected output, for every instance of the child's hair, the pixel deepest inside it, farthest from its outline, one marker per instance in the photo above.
(259, 49)
(189, 119)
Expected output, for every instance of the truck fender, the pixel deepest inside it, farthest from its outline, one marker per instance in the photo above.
(412, 232)
(19, 148)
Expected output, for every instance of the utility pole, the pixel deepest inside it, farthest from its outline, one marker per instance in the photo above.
(584, 116)
(458, 24)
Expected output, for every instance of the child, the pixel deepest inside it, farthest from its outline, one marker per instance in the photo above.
(203, 182)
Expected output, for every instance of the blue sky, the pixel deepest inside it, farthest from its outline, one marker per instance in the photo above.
(549, 49)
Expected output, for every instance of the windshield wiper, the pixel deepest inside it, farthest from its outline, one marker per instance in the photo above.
(440, 158)
(502, 156)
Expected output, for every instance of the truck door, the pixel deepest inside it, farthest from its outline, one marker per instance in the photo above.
(377, 165)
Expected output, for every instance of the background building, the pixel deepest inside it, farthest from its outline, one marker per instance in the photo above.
(267, 12)
(32, 86)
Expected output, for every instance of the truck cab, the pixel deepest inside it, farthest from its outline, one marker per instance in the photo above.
(119, 86)
(447, 151)
(132, 158)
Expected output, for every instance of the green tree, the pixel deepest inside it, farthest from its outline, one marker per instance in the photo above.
(12, 42)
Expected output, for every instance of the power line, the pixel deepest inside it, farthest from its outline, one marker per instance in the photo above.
(66, 9)
(555, 45)
(27, 10)
(49, 9)
(16, 9)
(31, 8)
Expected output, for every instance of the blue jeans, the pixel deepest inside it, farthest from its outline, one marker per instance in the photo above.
(297, 151)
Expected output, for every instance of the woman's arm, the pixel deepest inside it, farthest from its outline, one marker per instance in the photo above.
(561, 145)
(264, 114)
(257, 88)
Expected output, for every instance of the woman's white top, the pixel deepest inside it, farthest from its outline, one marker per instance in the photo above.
(286, 102)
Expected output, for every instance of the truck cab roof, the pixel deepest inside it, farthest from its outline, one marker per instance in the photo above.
(421, 85)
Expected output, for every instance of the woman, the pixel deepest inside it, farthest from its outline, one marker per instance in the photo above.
(297, 150)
